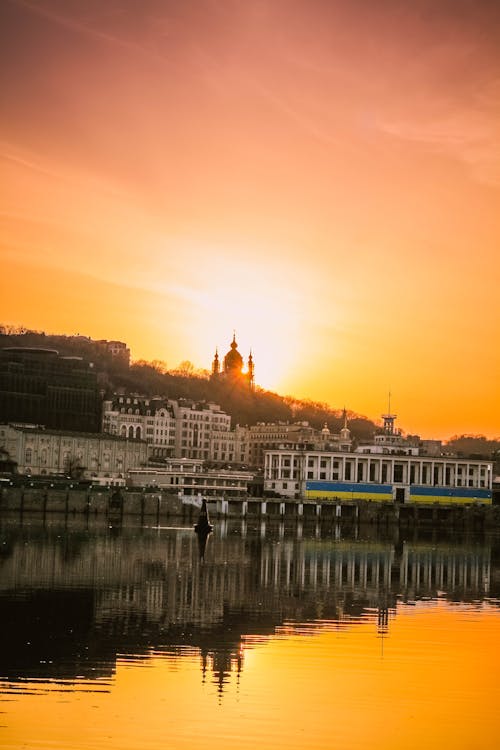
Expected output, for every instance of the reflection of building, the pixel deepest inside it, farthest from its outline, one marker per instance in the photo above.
(427, 569)
(232, 367)
(37, 386)
(40, 451)
(138, 591)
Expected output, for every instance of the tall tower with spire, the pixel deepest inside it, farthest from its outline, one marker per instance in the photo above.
(345, 434)
(389, 419)
(250, 371)
(216, 365)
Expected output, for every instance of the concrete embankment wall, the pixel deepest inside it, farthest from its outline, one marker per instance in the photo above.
(161, 505)
(15, 499)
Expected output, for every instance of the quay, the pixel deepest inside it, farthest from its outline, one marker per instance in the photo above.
(157, 506)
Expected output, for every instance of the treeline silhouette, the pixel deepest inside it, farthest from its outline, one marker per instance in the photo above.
(150, 379)
(475, 446)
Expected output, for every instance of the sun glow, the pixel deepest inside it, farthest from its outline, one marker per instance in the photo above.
(172, 173)
(262, 310)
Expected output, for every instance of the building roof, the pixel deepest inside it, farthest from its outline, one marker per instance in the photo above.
(38, 429)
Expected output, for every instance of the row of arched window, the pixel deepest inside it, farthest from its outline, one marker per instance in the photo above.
(131, 431)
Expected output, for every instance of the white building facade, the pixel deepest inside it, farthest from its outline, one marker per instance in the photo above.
(39, 451)
(377, 476)
(188, 477)
(202, 430)
(172, 429)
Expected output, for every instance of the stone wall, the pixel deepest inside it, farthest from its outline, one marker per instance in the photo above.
(159, 505)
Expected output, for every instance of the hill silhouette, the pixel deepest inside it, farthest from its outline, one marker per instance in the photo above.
(150, 379)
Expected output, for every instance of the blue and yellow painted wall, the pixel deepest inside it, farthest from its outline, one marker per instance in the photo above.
(349, 491)
(343, 491)
(449, 495)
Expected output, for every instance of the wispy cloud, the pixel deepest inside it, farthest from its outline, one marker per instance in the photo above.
(470, 135)
(89, 30)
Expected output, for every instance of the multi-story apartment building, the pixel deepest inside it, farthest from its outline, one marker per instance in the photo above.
(180, 429)
(265, 436)
(201, 430)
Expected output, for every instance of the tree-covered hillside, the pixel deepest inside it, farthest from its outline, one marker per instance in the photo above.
(153, 379)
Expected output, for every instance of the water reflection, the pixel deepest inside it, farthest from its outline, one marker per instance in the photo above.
(76, 598)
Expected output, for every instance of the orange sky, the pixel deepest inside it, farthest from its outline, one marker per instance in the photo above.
(323, 177)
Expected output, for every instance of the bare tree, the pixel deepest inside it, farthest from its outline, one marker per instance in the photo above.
(73, 467)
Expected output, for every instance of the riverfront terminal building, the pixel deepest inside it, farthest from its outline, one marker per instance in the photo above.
(390, 469)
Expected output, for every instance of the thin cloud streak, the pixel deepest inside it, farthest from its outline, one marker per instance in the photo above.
(465, 135)
(89, 31)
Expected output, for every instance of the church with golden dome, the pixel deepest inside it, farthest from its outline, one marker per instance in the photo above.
(232, 367)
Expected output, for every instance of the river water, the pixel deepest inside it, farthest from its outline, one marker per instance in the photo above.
(266, 636)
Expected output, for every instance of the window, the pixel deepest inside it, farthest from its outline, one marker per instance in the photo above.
(398, 473)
